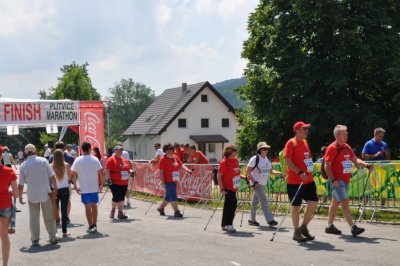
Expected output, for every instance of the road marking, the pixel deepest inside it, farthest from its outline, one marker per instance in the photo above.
(235, 263)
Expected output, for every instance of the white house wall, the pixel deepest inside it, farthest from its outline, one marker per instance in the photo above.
(145, 149)
(214, 110)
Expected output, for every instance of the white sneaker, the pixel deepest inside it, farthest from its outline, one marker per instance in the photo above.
(230, 229)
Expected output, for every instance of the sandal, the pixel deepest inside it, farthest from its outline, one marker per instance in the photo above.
(67, 234)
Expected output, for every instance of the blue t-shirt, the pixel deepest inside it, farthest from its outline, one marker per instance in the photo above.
(372, 147)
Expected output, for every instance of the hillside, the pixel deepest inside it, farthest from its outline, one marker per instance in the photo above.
(227, 89)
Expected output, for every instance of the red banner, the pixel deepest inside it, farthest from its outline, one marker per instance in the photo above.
(191, 186)
(92, 124)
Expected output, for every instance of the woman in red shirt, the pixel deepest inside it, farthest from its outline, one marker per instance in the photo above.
(118, 170)
(229, 181)
(169, 167)
(196, 157)
(8, 178)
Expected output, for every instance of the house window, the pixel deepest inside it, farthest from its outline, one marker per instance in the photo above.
(204, 123)
(211, 147)
(225, 122)
(204, 98)
(182, 123)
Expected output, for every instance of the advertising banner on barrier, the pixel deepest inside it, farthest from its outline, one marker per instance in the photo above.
(191, 186)
(92, 124)
(38, 112)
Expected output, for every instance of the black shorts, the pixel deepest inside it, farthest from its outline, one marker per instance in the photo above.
(308, 192)
(118, 192)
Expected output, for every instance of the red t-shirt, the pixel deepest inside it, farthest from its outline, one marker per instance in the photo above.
(180, 154)
(6, 176)
(300, 154)
(119, 170)
(342, 166)
(230, 169)
(198, 154)
(169, 165)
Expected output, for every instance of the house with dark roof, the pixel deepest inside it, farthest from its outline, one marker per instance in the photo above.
(194, 114)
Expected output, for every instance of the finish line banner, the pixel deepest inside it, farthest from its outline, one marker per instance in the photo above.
(191, 186)
(40, 113)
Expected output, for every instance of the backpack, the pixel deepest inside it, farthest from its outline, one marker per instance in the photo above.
(257, 161)
(338, 150)
(282, 161)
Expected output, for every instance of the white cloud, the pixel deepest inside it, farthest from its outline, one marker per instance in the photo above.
(159, 43)
(17, 17)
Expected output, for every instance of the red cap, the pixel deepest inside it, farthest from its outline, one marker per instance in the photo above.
(299, 125)
(1, 148)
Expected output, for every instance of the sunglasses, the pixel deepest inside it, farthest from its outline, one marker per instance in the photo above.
(264, 149)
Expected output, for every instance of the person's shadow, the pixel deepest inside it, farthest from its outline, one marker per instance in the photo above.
(368, 240)
(39, 249)
(317, 245)
(241, 234)
(93, 236)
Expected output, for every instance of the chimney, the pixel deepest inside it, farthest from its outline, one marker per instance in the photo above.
(184, 87)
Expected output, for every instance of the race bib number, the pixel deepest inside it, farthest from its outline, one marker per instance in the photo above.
(125, 175)
(236, 182)
(175, 176)
(309, 164)
(347, 167)
(264, 172)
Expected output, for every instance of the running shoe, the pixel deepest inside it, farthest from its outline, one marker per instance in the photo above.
(254, 223)
(332, 230)
(178, 214)
(230, 229)
(272, 223)
(355, 230)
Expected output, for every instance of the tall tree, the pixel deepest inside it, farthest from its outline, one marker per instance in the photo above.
(75, 84)
(127, 101)
(326, 62)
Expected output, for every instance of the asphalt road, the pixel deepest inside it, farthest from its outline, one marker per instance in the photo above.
(155, 240)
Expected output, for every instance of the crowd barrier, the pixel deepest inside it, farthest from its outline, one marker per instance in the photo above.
(382, 188)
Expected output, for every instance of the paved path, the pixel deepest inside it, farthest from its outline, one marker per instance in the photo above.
(156, 240)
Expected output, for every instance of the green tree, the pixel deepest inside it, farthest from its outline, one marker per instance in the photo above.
(127, 101)
(325, 62)
(75, 84)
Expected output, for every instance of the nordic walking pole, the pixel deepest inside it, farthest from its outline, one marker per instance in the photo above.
(216, 207)
(284, 217)
(277, 195)
(362, 196)
(184, 205)
(108, 188)
(244, 204)
(152, 202)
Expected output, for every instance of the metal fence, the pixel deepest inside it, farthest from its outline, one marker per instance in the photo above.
(382, 188)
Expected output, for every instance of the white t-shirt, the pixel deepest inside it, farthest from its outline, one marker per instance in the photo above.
(64, 181)
(261, 172)
(125, 154)
(47, 152)
(87, 167)
(160, 152)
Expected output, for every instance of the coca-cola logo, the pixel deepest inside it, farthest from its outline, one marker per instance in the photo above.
(195, 185)
(91, 120)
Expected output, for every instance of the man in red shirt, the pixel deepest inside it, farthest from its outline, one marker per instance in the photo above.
(179, 151)
(300, 166)
(196, 157)
(339, 159)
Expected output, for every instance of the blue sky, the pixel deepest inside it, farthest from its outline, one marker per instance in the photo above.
(160, 43)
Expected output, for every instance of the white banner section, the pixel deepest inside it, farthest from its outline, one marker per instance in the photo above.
(39, 113)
